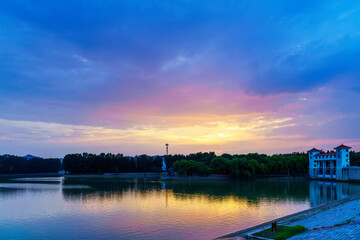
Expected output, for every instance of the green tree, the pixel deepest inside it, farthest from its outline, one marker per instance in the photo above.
(220, 165)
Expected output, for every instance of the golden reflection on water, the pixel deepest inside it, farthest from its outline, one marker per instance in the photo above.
(113, 208)
(165, 210)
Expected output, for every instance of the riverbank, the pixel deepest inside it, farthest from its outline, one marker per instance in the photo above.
(213, 177)
(31, 175)
(150, 176)
(145, 175)
(336, 220)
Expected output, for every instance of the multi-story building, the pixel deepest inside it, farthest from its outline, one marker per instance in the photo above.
(330, 164)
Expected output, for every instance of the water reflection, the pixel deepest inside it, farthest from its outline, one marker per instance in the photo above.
(10, 192)
(110, 207)
(14, 187)
(181, 209)
(323, 192)
(251, 191)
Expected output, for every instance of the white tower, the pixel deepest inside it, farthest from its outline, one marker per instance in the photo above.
(342, 156)
(342, 161)
(312, 164)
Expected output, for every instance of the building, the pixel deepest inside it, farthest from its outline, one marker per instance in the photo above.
(331, 164)
(28, 157)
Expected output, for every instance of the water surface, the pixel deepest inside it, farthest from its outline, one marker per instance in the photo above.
(113, 208)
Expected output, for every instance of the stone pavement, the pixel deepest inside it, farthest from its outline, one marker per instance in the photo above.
(348, 231)
(340, 214)
(338, 220)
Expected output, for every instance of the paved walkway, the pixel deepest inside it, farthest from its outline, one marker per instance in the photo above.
(340, 220)
(338, 215)
(344, 232)
(346, 216)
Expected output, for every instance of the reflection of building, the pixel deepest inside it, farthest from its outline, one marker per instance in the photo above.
(163, 167)
(331, 164)
(324, 191)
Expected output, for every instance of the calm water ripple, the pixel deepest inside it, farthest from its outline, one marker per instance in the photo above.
(114, 208)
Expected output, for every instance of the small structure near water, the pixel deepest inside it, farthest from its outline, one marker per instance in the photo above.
(332, 165)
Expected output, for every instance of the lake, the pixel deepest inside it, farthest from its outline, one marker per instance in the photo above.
(108, 207)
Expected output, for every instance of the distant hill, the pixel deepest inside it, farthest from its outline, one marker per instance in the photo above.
(30, 156)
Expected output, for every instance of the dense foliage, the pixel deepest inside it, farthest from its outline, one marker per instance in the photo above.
(354, 158)
(13, 164)
(239, 166)
(201, 164)
(245, 166)
(110, 163)
(191, 167)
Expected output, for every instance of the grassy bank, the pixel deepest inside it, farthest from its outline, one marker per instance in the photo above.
(282, 232)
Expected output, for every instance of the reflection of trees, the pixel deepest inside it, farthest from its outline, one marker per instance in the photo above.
(105, 188)
(253, 191)
(10, 192)
(15, 191)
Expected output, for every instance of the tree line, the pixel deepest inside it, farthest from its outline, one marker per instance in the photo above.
(110, 163)
(201, 164)
(10, 164)
(240, 166)
(245, 165)
(354, 158)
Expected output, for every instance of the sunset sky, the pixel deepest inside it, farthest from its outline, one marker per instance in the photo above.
(224, 76)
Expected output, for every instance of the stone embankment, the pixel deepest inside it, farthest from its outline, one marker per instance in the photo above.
(336, 220)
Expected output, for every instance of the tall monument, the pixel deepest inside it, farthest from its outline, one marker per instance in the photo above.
(167, 153)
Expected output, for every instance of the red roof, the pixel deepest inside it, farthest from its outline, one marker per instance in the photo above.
(342, 146)
(325, 154)
(314, 150)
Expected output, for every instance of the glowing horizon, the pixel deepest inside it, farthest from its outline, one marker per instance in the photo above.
(128, 77)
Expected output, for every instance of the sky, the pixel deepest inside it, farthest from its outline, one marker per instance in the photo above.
(224, 76)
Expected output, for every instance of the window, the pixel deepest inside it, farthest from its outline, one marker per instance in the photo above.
(314, 165)
(310, 157)
(347, 155)
(347, 160)
(347, 150)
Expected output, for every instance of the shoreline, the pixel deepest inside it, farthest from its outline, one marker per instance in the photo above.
(32, 175)
(292, 219)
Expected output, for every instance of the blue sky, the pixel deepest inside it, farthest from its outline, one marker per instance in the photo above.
(224, 76)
